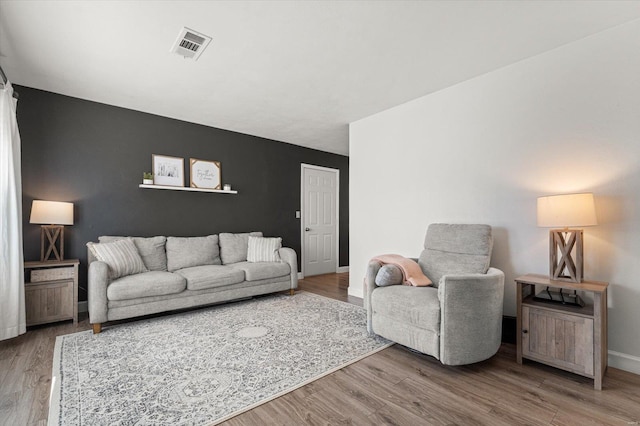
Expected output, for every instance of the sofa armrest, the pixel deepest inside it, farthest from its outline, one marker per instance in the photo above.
(288, 255)
(369, 285)
(97, 292)
(470, 316)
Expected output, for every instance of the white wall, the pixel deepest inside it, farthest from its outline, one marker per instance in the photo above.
(482, 151)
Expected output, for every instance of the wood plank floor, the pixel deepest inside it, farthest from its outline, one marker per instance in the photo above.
(394, 387)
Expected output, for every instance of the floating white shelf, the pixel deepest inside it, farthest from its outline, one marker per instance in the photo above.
(185, 188)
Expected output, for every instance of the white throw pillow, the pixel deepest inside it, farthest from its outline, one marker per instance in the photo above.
(264, 249)
(121, 256)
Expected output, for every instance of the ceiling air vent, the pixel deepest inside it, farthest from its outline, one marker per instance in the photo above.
(190, 44)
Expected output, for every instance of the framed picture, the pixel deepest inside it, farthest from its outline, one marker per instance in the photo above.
(205, 174)
(168, 171)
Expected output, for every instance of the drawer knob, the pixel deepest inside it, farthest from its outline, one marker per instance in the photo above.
(525, 331)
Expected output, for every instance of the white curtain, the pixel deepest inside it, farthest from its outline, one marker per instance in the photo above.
(12, 310)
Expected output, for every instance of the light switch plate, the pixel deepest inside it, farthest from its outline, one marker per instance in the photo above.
(297, 214)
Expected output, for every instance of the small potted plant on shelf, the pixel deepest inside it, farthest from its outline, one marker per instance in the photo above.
(147, 178)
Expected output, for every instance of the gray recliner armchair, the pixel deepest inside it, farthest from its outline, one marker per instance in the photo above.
(458, 320)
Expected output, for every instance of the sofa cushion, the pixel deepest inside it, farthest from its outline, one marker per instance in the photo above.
(185, 252)
(208, 276)
(234, 247)
(151, 250)
(418, 306)
(254, 271)
(121, 256)
(231, 292)
(263, 249)
(153, 283)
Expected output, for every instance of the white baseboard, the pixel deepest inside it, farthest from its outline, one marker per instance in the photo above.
(624, 362)
(83, 307)
(356, 292)
(340, 270)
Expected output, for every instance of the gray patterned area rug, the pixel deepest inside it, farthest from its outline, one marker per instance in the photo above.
(203, 367)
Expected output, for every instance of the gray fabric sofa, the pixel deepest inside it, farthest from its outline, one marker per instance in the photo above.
(458, 320)
(184, 273)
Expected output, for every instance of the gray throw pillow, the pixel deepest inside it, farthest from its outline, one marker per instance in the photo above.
(389, 275)
(151, 249)
(185, 252)
(234, 247)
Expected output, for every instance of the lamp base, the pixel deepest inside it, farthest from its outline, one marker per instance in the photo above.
(54, 234)
(559, 297)
(561, 245)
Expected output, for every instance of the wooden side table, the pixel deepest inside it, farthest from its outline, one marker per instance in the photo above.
(51, 291)
(572, 338)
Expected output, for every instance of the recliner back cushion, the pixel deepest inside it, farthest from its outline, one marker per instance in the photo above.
(184, 252)
(456, 249)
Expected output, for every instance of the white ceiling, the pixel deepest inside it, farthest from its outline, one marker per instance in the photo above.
(293, 71)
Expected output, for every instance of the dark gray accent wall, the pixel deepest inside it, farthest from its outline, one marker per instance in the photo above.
(94, 154)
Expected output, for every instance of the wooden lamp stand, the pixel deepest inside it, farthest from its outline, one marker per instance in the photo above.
(54, 234)
(561, 245)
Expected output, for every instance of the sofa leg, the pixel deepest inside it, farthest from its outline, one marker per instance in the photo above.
(97, 328)
(291, 292)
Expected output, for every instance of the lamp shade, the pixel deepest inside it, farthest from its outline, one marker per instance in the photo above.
(51, 212)
(567, 210)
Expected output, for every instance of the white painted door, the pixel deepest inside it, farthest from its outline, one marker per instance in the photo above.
(319, 224)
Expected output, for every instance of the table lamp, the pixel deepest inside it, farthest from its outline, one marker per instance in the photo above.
(565, 244)
(53, 215)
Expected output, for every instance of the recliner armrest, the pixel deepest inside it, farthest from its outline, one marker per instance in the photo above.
(369, 285)
(471, 307)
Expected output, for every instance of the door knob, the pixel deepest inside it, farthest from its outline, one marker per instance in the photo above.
(307, 229)
(525, 331)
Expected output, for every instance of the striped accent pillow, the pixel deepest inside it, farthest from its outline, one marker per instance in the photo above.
(121, 256)
(264, 249)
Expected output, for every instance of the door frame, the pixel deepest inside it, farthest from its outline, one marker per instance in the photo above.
(304, 166)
